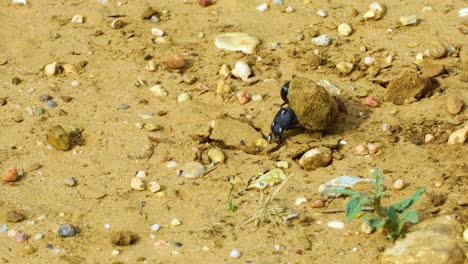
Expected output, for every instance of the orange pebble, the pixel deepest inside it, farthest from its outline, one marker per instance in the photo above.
(11, 176)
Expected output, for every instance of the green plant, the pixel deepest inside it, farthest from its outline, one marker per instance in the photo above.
(391, 218)
(232, 206)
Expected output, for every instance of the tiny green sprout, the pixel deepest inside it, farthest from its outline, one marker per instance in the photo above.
(391, 218)
(231, 205)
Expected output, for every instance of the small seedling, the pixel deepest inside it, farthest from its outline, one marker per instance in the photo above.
(391, 218)
(232, 206)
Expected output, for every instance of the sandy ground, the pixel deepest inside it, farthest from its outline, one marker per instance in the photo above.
(41, 33)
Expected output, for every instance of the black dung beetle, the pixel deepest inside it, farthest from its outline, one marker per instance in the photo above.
(284, 119)
(284, 93)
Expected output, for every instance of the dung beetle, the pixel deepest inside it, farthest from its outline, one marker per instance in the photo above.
(284, 119)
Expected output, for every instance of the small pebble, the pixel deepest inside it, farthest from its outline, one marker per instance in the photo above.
(20, 237)
(138, 184)
(155, 227)
(175, 222)
(51, 104)
(124, 106)
(141, 174)
(139, 125)
(408, 20)
(429, 138)
(398, 184)
(360, 150)
(336, 224)
(366, 228)
(345, 67)
(3, 228)
(235, 254)
(319, 203)
(51, 69)
(115, 252)
(385, 127)
(372, 101)
(106, 226)
(191, 170)
(344, 30)
(70, 181)
(465, 235)
(150, 66)
(373, 148)
(177, 244)
(12, 233)
(175, 61)
(15, 217)
(454, 105)
(153, 186)
(243, 96)
(79, 19)
(172, 164)
(38, 236)
(300, 200)
(44, 97)
(3, 101)
(152, 127)
(157, 32)
(117, 24)
(257, 97)
(262, 7)
(183, 97)
(322, 13)
(205, 3)
(159, 91)
(75, 83)
(289, 10)
(369, 60)
(322, 40)
(458, 137)
(66, 230)
(189, 78)
(282, 164)
(11, 175)
(216, 155)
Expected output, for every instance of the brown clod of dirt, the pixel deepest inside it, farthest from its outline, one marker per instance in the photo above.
(408, 86)
(234, 133)
(431, 70)
(314, 107)
(15, 217)
(124, 238)
(58, 138)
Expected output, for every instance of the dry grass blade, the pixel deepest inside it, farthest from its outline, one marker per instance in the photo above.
(265, 212)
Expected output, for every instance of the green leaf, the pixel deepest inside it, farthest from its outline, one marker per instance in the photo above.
(341, 190)
(353, 207)
(406, 203)
(410, 216)
(392, 215)
(378, 183)
(376, 222)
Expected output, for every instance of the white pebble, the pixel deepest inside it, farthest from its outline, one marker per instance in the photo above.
(277, 2)
(12, 233)
(398, 184)
(51, 69)
(183, 97)
(463, 13)
(289, 9)
(21, 2)
(322, 13)
(75, 83)
(241, 70)
(153, 186)
(263, 7)
(322, 40)
(385, 127)
(175, 222)
(257, 97)
(465, 235)
(369, 60)
(159, 91)
(235, 254)
(141, 174)
(300, 200)
(138, 184)
(155, 227)
(78, 19)
(38, 236)
(336, 224)
(344, 30)
(172, 164)
(115, 252)
(157, 32)
(428, 138)
(106, 226)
